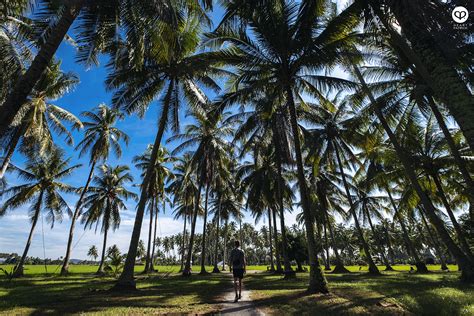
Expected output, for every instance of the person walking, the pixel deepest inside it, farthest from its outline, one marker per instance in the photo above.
(237, 267)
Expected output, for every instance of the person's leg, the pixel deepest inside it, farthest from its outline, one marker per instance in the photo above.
(240, 288)
(235, 288)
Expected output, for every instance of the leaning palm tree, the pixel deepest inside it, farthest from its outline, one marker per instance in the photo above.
(105, 200)
(42, 189)
(101, 136)
(39, 117)
(288, 47)
(175, 74)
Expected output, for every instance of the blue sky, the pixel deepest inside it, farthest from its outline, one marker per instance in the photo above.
(88, 94)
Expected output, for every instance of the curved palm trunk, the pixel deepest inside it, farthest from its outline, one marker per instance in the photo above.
(317, 280)
(126, 279)
(435, 244)
(272, 265)
(420, 265)
(203, 246)
(461, 237)
(11, 149)
(100, 271)
(277, 248)
(224, 254)
(25, 84)
(372, 267)
(187, 266)
(466, 265)
(75, 216)
(154, 235)
(216, 250)
(391, 254)
(150, 230)
(339, 268)
(18, 270)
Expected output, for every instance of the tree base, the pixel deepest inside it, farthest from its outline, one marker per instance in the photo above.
(204, 272)
(124, 286)
(64, 271)
(289, 274)
(216, 270)
(18, 272)
(467, 274)
(421, 268)
(389, 268)
(374, 271)
(339, 268)
(186, 273)
(327, 268)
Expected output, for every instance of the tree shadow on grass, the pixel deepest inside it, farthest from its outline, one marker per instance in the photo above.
(173, 294)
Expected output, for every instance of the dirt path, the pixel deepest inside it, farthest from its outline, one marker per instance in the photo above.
(245, 306)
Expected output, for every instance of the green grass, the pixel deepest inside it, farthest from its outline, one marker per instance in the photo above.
(394, 293)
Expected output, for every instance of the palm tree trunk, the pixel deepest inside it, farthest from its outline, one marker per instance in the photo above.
(75, 216)
(100, 271)
(420, 265)
(272, 265)
(25, 84)
(434, 241)
(216, 251)
(372, 267)
(184, 242)
(224, 254)
(391, 254)
(187, 266)
(11, 149)
(327, 266)
(467, 265)
(18, 270)
(277, 248)
(150, 230)
(152, 266)
(204, 228)
(317, 280)
(339, 267)
(380, 247)
(461, 237)
(126, 279)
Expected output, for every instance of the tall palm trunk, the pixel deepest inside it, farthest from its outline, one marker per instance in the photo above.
(75, 216)
(100, 271)
(216, 241)
(183, 245)
(11, 149)
(25, 84)
(224, 254)
(317, 280)
(272, 265)
(187, 266)
(460, 234)
(466, 265)
(391, 253)
(204, 228)
(154, 234)
(277, 248)
(372, 267)
(150, 231)
(126, 279)
(18, 270)
(434, 242)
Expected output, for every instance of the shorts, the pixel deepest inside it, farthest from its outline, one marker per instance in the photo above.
(238, 273)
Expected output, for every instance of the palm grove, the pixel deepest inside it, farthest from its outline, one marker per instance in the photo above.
(360, 114)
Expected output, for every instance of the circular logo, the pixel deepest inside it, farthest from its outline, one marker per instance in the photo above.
(460, 14)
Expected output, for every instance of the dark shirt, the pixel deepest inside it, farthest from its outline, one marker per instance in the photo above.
(237, 258)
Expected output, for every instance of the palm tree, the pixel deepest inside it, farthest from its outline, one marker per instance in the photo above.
(105, 200)
(93, 253)
(43, 174)
(38, 117)
(156, 188)
(289, 44)
(171, 69)
(122, 22)
(100, 137)
(209, 160)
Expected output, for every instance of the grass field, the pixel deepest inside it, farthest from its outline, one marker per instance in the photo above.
(394, 293)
